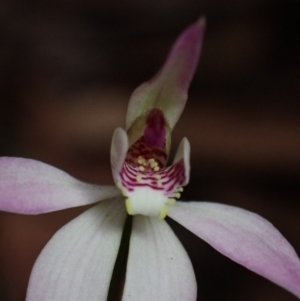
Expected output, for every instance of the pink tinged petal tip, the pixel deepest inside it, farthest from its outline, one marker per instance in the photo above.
(168, 89)
(158, 267)
(78, 261)
(244, 237)
(32, 187)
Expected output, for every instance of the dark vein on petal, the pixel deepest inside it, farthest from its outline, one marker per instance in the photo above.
(117, 282)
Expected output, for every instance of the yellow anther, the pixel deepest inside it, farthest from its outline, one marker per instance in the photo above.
(140, 160)
(142, 168)
(177, 195)
(128, 206)
(180, 189)
(156, 168)
(151, 161)
(139, 178)
(154, 164)
(157, 177)
(159, 183)
(124, 192)
(163, 212)
(171, 201)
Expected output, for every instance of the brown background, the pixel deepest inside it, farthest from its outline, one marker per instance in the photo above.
(67, 69)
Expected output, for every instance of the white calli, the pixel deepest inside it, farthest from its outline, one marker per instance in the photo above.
(77, 263)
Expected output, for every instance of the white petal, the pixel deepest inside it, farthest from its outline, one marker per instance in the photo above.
(158, 267)
(77, 263)
(32, 187)
(244, 237)
(184, 152)
(118, 151)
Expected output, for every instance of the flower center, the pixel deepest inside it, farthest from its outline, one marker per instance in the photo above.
(150, 187)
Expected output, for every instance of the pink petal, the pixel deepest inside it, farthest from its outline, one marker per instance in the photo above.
(168, 89)
(158, 267)
(77, 263)
(32, 187)
(244, 237)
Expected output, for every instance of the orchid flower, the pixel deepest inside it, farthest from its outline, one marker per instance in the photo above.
(78, 261)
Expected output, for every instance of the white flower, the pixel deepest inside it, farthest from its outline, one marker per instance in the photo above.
(77, 263)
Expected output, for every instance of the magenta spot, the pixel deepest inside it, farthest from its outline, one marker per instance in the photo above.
(155, 132)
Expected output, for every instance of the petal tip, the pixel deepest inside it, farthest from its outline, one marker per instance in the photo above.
(167, 90)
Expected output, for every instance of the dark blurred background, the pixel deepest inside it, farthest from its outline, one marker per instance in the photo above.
(67, 69)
